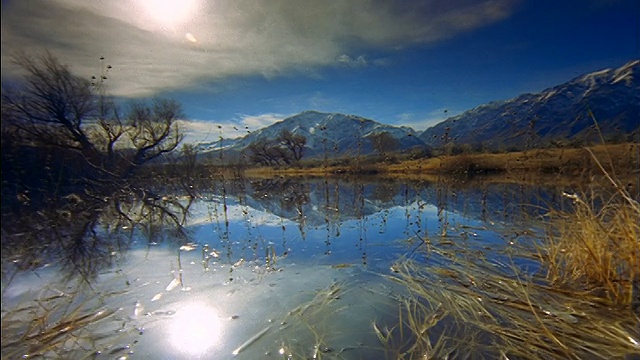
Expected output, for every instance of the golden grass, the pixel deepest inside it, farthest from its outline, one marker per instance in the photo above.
(478, 307)
(540, 166)
(571, 160)
(270, 172)
(58, 325)
(583, 304)
(596, 245)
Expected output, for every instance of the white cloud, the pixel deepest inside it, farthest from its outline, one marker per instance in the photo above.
(204, 131)
(152, 50)
(199, 131)
(255, 122)
(421, 122)
(346, 60)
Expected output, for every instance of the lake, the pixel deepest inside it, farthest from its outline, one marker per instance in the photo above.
(284, 269)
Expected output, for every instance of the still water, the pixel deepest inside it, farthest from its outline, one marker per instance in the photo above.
(270, 269)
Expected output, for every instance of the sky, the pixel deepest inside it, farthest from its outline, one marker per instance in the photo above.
(240, 65)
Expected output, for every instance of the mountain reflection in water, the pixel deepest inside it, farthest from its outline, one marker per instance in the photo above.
(268, 269)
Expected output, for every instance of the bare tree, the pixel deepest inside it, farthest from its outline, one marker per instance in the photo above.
(153, 130)
(260, 152)
(54, 108)
(72, 162)
(294, 143)
(51, 105)
(285, 149)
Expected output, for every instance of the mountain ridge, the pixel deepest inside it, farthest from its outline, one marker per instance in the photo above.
(558, 115)
(327, 134)
(565, 112)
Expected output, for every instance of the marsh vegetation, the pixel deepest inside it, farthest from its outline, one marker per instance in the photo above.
(294, 269)
(113, 248)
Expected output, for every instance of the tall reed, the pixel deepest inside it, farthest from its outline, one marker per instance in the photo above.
(595, 246)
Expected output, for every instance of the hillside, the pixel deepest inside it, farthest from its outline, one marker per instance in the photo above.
(559, 114)
(333, 134)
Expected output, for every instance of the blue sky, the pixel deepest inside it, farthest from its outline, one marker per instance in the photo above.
(246, 64)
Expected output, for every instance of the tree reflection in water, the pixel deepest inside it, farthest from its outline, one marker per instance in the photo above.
(85, 235)
(88, 237)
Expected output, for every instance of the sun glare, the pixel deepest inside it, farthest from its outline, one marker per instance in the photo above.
(195, 329)
(191, 38)
(170, 12)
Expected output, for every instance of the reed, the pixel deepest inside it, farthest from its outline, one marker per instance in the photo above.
(584, 301)
(479, 307)
(60, 325)
(595, 246)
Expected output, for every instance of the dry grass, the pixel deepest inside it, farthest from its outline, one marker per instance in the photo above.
(596, 245)
(582, 304)
(568, 162)
(479, 307)
(319, 171)
(540, 166)
(60, 325)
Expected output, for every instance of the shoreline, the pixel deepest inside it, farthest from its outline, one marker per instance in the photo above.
(538, 166)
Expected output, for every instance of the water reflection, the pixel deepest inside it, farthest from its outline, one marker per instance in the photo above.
(316, 202)
(304, 263)
(260, 221)
(333, 217)
(195, 329)
(86, 234)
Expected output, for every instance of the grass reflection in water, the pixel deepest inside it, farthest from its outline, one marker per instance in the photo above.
(456, 278)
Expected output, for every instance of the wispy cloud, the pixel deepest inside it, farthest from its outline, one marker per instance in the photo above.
(197, 131)
(153, 49)
(255, 122)
(420, 122)
(348, 61)
(205, 131)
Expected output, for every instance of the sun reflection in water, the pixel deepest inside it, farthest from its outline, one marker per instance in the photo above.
(195, 329)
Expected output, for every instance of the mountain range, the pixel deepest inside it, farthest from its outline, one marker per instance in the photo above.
(566, 113)
(330, 134)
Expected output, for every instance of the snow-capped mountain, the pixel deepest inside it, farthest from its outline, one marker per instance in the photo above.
(331, 133)
(559, 114)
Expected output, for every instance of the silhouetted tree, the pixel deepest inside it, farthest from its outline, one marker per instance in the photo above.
(262, 152)
(52, 108)
(72, 168)
(295, 143)
(285, 149)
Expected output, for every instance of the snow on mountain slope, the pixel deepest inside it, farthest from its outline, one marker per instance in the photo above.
(560, 113)
(333, 133)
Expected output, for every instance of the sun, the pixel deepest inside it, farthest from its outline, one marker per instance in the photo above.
(170, 12)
